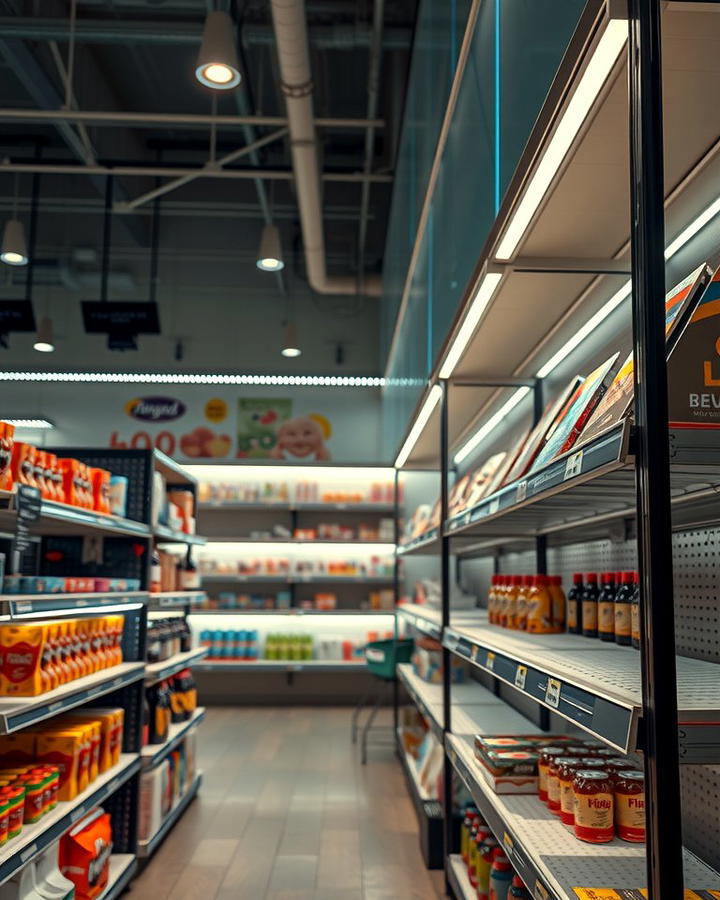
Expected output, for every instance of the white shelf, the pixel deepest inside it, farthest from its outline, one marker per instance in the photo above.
(293, 506)
(544, 850)
(19, 606)
(426, 619)
(282, 665)
(298, 579)
(165, 668)
(19, 712)
(33, 839)
(152, 754)
(458, 877)
(165, 534)
(173, 599)
(122, 869)
(595, 685)
(293, 611)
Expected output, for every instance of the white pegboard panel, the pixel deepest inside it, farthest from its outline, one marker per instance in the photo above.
(696, 570)
(701, 811)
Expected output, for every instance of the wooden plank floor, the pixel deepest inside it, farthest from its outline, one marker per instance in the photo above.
(286, 812)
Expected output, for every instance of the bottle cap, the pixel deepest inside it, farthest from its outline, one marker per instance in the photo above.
(636, 577)
(591, 577)
(577, 578)
(517, 579)
(557, 580)
(627, 577)
(518, 882)
(501, 862)
(608, 577)
(527, 580)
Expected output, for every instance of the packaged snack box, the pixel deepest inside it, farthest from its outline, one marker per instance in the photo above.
(64, 750)
(84, 854)
(7, 439)
(100, 479)
(22, 464)
(17, 750)
(22, 648)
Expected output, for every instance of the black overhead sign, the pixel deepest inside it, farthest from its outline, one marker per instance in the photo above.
(122, 317)
(16, 315)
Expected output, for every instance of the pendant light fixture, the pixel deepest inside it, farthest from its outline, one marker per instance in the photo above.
(14, 250)
(44, 339)
(270, 258)
(217, 63)
(290, 347)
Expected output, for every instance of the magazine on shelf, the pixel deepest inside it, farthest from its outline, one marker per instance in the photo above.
(577, 411)
(617, 401)
(537, 436)
(481, 479)
(516, 445)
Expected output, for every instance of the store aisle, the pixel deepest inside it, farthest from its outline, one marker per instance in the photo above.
(286, 812)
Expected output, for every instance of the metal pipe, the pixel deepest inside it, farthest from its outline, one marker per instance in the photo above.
(296, 81)
(448, 822)
(372, 104)
(71, 103)
(170, 172)
(210, 165)
(156, 119)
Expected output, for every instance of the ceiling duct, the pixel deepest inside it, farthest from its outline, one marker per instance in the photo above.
(294, 59)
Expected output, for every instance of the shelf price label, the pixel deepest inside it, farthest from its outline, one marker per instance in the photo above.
(521, 677)
(573, 465)
(541, 892)
(521, 492)
(508, 845)
(490, 662)
(552, 692)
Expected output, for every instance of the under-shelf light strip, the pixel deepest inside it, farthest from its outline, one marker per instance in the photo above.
(491, 424)
(30, 423)
(431, 401)
(600, 66)
(487, 287)
(73, 610)
(366, 381)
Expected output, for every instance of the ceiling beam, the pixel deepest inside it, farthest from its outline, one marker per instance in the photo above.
(158, 119)
(140, 31)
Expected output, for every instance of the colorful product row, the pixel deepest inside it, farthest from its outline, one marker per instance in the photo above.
(162, 786)
(39, 658)
(167, 703)
(609, 610)
(81, 744)
(63, 584)
(299, 492)
(532, 603)
(373, 567)
(488, 868)
(231, 645)
(167, 637)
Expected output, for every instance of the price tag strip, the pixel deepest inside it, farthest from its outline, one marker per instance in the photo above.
(637, 894)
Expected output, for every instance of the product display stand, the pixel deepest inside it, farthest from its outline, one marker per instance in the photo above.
(639, 495)
(121, 548)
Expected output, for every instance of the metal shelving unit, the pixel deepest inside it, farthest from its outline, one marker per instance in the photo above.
(159, 671)
(122, 869)
(23, 606)
(148, 847)
(645, 483)
(152, 754)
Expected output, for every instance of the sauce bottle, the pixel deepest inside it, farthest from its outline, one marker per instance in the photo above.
(635, 615)
(467, 823)
(590, 606)
(606, 607)
(509, 616)
(539, 617)
(522, 602)
(499, 600)
(574, 605)
(479, 876)
(623, 609)
(500, 877)
(489, 849)
(518, 891)
(491, 599)
(558, 604)
(630, 806)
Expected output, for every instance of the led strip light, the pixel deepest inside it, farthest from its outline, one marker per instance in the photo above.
(366, 381)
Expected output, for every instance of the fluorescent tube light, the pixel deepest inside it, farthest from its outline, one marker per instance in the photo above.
(366, 381)
(483, 295)
(490, 425)
(580, 335)
(591, 83)
(692, 229)
(431, 401)
(30, 423)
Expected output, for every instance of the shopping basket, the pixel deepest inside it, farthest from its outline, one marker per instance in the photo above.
(383, 656)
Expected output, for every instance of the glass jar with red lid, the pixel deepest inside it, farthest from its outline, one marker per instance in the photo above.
(546, 755)
(594, 805)
(553, 785)
(567, 766)
(630, 805)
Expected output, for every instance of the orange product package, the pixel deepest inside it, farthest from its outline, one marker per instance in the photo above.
(39, 472)
(115, 626)
(84, 854)
(63, 749)
(86, 486)
(110, 721)
(7, 439)
(88, 720)
(22, 651)
(22, 464)
(101, 490)
(17, 750)
(72, 481)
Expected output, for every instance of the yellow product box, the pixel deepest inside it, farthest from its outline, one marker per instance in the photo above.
(22, 656)
(63, 749)
(111, 721)
(17, 750)
(94, 727)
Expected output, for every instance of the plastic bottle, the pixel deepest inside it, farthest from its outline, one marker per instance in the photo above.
(468, 816)
(539, 617)
(606, 607)
(518, 891)
(558, 604)
(501, 598)
(481, 835)
(488, 850)
(473, 851)
(509, 617)
(492, 598)
(500, 878)
(574, 604)
(590, 606)
(623, 609)
(523, 596)
(635, 615)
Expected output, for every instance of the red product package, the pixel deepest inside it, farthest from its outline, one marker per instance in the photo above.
(84, 854)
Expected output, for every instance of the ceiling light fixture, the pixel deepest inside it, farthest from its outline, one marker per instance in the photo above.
(490, 425)
(486, 288)
(44, 341)
(431, 401)
(290, 347)
(14, 249)
(217, 63)
(30, 423)
(598, 69)
(360, 381)
(270, 258)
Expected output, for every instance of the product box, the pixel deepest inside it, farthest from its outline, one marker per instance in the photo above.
(17, 749)
(21, 647)
(509, 771)
(64, 749)
(84, 854)
(154, 792)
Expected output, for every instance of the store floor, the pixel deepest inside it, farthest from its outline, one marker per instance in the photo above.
(287, 812)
